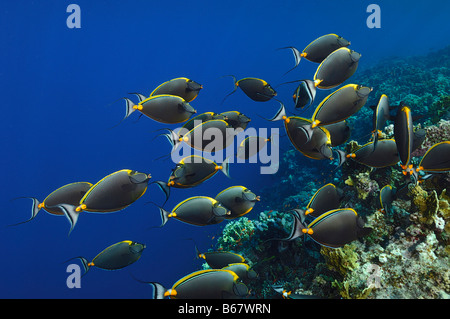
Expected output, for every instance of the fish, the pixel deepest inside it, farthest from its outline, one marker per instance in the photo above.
(305, 94)
(243, 271)
(332, 229)
(191, 171)
(203, 284)
(164, 108)
(112, 193)
(197, 211)
(209, 136)
(404, 135)
(256, 89)
(312, 142)
(289, 295)
(387, 194)
(436, 159)
(326, 198)
(318, 49)
(70, 194)
(381, 114)
(337, 67)
(114, 257)
(239, 200)
(340, 105)
(251, 145)
(219, 259)
(339, 132)
(182, 87)
(236, 119)
(384, 155)
(199, 119)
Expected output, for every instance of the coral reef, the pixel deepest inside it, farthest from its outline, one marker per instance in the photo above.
(407, 254)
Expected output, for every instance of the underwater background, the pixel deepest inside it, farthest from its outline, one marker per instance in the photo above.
(60, 100)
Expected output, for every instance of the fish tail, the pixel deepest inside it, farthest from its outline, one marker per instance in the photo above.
(308, 130)
(70, 211)
(341, 156)
(226, 167)
(165, 188)
(129, 107)
(173, 138)
(140, 96)
(159, 291)
(164, 216)
(234, 90)
(35, 208)
(281, 113)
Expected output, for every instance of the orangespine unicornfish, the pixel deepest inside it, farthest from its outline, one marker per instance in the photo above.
(203, 284)
(323, 46)
(332, 229)
(236, 119)
(207, 116)
(385, 154)
(116, 256)
(209, 136)
(219, 259)
(165, 108)
(191, 171)
(326, 198)
(318, 49)
(70, 194)
(289, 295)
(182, 87)
(243, 271)
(380, 116)
(112, 193)
(251, 145)
(339, 132)
(312, 142)
(197, 211)
(239, 200)
(337, 68)
(436, 159)
(256, 89)
(404, 135)
(387, 194)
(340, 105)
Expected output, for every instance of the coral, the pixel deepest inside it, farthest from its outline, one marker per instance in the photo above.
(440, 108)
(236, 233)
(341, 260)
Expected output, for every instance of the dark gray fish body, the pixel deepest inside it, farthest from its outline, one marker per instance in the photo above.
(337, 227)
(198, 211)
(337, 68)
(220, 259)
(182, 87)
(341, 104)
(383, 155)
(210, 136)
(119, 255)
(199, 119)
(165, 108)
(437, 158)
(250, 146)
(236, 119)
(243, 271)
(239, 200)
(256, 89)
(115, 191)
(404, 134)
(204, 284)
(386, 198)
(339, 132)
(322, 47)
(326, 198)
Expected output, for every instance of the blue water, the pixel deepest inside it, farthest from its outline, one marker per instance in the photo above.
(59, 91)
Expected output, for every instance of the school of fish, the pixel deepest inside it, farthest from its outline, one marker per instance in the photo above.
(323, 220)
